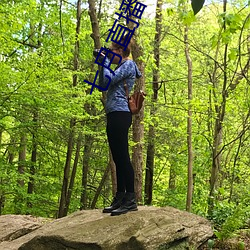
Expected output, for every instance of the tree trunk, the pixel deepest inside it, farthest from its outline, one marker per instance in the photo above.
(245, 122)
(32, 167)
(148, 189)
(138, 127)
(172, 178)
(19, 198)
(22, 159)
(98, 191)
(35, 112)
(62, 205)
(77, 43)
(85, 170)
(2, 201)
(113, 173)
(1, 180)
(2, 198)
(73, 174)
(217, 142)
(189, 125)
(33, 157)
(151, 134)
(11, 153)
(97, 44)
(95, 25)
(220, 111)
(64, 191)
(172, 170)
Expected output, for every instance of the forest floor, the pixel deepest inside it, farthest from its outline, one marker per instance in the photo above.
(241, 242)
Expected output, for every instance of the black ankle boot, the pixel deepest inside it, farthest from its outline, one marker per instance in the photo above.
(116, 203)
(128, 204)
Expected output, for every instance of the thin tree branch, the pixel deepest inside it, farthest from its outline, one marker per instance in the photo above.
(245, 128)
(28, 44)
(18, 87)
(60, 14)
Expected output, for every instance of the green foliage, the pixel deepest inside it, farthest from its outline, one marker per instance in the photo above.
(233, 222)
(210, 244)
(221, 212)
(241, 245)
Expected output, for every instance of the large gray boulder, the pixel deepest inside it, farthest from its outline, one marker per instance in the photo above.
(15, 226)
(147, 229)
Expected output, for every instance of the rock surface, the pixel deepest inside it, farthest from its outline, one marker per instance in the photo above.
(147, 229)
(15, 226)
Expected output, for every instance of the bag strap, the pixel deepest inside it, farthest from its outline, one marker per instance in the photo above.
(126, 89)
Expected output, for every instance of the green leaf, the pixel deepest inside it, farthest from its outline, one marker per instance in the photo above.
(187, 17)
(226, 36)
(233, 54)
(210, 244)
(197, 5)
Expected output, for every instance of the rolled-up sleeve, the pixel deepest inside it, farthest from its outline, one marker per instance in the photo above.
(123, 72)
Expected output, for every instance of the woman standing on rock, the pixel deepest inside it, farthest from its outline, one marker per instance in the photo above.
(119, 119)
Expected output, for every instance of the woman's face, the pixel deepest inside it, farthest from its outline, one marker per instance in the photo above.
(116, 59)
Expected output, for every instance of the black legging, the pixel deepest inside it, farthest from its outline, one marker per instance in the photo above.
(118, 124)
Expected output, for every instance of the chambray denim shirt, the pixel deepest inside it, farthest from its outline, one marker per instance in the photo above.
(116, 95)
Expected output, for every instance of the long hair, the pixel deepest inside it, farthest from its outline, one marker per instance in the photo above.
(125, 53)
